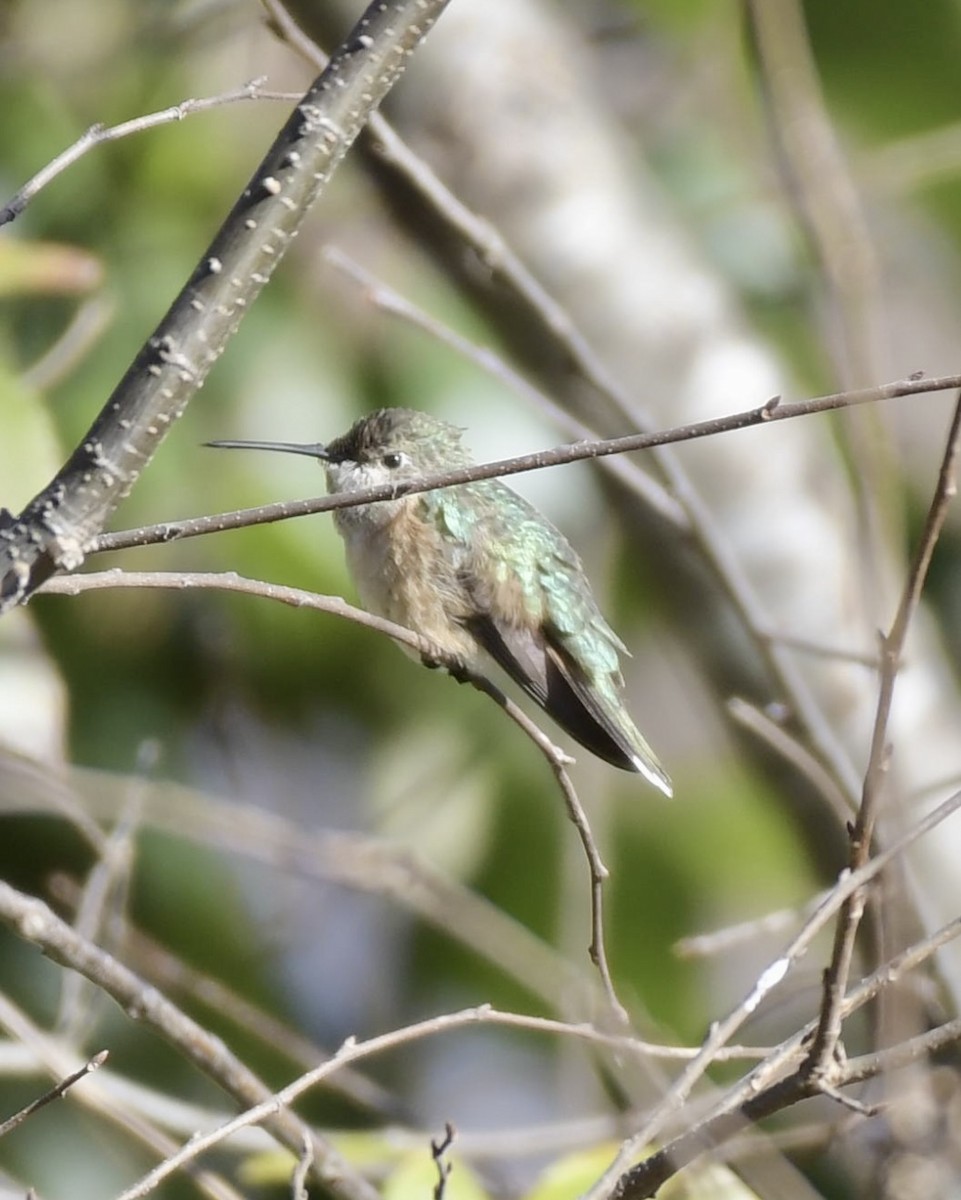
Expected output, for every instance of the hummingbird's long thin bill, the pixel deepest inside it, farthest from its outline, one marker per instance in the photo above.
(311, 449)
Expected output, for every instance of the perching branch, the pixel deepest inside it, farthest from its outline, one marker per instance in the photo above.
(297, 598)
(55, 530)
(170, 531)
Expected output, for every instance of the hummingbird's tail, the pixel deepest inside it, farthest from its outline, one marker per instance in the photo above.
(589, 710)
(601, 723)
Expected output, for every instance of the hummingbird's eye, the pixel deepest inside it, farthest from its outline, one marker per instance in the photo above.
(393, 459)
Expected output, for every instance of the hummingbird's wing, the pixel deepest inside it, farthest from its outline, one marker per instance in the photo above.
(531, 608)
(547, 676)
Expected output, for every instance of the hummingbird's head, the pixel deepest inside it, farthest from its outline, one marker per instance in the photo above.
(392, 445)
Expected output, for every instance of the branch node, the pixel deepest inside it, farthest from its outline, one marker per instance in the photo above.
(438, 1150)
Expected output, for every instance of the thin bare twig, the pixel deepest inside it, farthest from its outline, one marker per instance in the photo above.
(55, 1093)
(815, 649)
(438, 1152)
(351, 1051)
(86, 327)
(720, 941)
(819, 182)
(98, 135)
(105, 887)
(298, 1180)
(356, 861)
(830, 212)
(773, 734)
(170, 531)
(51, 1055)
(821, 1058)
(556, 760)
(791, 1052)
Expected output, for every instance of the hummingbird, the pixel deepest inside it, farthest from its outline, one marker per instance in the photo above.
(476, 569)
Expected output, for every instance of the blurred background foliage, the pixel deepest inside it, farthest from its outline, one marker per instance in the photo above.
(318, 720)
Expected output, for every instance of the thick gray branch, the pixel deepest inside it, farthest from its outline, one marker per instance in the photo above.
(54, 530)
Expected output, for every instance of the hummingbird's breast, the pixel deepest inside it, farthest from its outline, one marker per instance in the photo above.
(405, 570)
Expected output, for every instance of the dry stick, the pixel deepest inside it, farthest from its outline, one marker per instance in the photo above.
(181, 1119)
(598, 871)
(904, 164)
(645, 1180)
(55, 529)
(727, 1118)
(352, 1051)
(831, 214)
(33, 921)
(722, 941)
(768, 413)
(298, 1180)
(883, 977)
(211, 991)
(55, 1093)
(621, 1185)
(820, 1061)
(817, 649)
(818, 179)
(438, 1152)
(50, 1054)
(280, 1101)
(58, 361)
(297, 598)
(714, 1128)
(98, 135)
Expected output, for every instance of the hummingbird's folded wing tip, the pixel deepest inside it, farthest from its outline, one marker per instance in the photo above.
(654, 776)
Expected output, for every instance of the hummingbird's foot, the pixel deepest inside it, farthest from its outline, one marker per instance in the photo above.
(456, 668)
